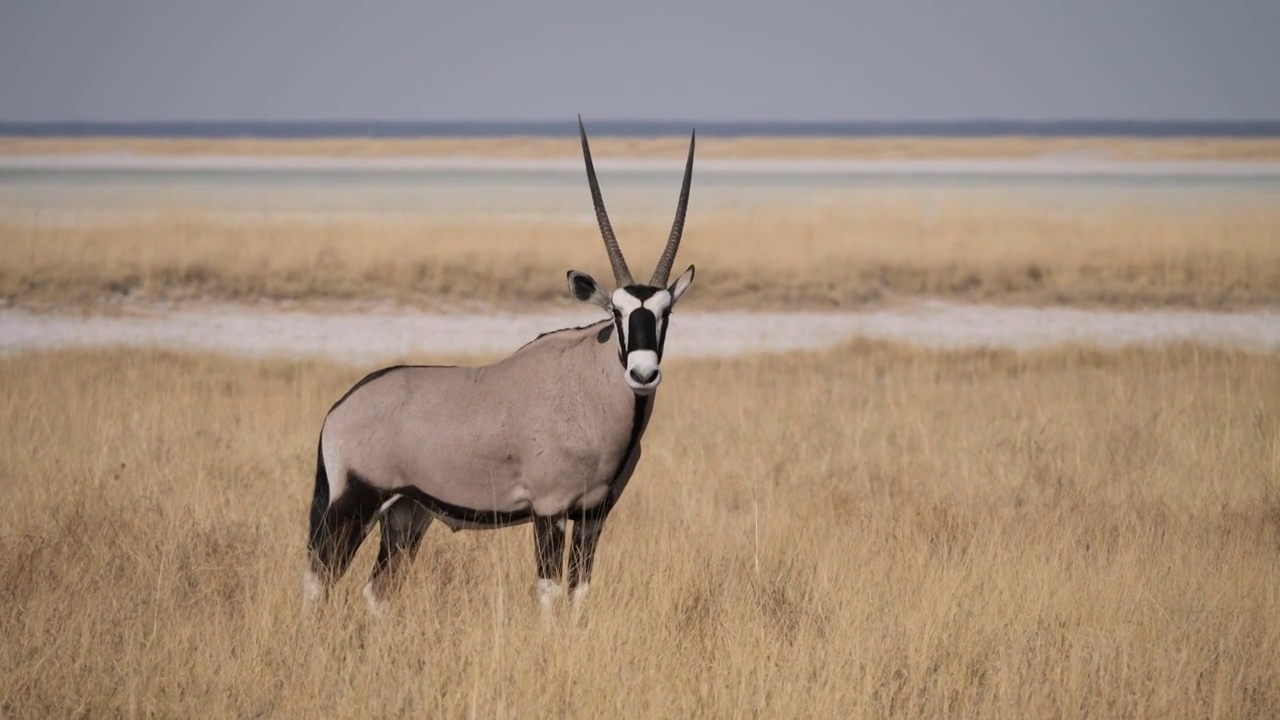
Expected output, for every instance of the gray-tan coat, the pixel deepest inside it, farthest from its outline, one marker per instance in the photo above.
(550, 434)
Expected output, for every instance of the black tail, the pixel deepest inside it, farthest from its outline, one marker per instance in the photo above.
(320, 502)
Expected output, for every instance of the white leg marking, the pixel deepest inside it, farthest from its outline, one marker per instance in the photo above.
(312, 588)
(578, 598)
(382, 509)
(390, 501)
(549, 591)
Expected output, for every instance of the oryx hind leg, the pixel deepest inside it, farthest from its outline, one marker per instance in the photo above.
(548, 540)
(404, 522)
(338, 526)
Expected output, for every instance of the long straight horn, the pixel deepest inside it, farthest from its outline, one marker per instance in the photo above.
(621, 275)
(663, 270)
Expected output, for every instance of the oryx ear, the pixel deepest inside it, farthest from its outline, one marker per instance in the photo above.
(681, 284)
(584, 289)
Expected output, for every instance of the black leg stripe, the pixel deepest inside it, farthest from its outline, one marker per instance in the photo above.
(549, 543)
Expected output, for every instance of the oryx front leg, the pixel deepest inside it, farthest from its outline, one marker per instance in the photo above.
(586, 533)
(548, 539)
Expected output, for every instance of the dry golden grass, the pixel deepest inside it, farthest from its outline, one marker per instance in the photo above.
(747, 147)
(1217, 253)
(868, 532)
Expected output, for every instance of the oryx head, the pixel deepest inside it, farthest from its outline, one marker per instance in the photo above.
(640, 311)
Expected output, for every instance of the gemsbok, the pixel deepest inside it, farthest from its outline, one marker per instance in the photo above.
(549, 434)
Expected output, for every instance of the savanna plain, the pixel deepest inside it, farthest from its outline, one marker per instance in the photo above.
(870, 530)
(854, 251)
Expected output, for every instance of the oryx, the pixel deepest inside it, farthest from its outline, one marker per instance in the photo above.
(549, 434)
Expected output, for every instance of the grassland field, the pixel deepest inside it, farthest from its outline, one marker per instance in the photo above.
(871, 531)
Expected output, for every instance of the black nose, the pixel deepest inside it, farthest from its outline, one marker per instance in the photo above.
(643, 376)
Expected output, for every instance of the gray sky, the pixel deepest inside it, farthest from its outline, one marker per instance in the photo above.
(642, 59)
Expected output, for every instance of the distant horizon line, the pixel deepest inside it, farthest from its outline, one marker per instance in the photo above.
(617, 127)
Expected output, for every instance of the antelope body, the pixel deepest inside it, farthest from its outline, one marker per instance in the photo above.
(549, 434)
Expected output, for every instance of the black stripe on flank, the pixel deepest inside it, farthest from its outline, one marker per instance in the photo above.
(358, 486)
(471, 516)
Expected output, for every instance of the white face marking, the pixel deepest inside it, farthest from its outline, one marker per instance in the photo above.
(659, 303)
(643, 363)
(625, 301)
